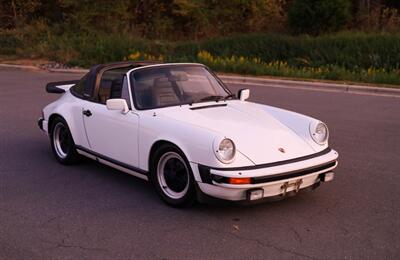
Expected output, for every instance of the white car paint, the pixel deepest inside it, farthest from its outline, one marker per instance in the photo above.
(112, 133)
(236, 120)
(258, 131)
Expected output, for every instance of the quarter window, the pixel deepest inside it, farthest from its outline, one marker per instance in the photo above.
(79, 88)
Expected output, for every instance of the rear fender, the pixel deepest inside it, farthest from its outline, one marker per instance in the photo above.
(69, 108)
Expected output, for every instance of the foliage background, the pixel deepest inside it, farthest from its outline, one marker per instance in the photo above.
(330, 39)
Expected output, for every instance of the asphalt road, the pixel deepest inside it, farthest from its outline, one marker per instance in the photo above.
(90, 211)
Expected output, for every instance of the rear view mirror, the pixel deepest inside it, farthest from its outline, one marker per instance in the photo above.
(244, 94)
(117, 104)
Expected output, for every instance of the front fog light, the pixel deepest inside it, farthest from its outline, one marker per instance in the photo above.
(327, 176)
(255, 194)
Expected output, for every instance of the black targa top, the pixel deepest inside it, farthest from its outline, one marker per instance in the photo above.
(91, 78)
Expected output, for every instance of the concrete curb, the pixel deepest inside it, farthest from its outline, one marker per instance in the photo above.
(255, 81)
(36, 68)
(283, 83)
(21, 67)
(78, 71)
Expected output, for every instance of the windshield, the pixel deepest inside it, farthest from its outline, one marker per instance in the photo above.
(172, 85)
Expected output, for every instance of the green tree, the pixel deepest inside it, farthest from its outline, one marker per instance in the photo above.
(95, 16)
(16, 13)
(190, 17)
(318, 16)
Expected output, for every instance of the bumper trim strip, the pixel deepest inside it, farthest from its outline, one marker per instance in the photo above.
(322, 168)
(298, 173)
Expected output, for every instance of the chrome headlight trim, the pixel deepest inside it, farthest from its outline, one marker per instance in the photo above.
(225, 150)
(319, 132)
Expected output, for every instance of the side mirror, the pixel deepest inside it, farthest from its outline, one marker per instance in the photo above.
(244, 94)
(117, 104)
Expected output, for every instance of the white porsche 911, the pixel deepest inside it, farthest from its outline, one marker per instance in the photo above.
(178, 126)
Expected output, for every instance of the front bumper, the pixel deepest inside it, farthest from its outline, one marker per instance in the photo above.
(274, 181)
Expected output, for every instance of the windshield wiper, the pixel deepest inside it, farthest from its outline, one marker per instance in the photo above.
(208, 98)
(230, 96)
(213, 98)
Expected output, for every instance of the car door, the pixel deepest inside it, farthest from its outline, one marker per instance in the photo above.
(110, 133)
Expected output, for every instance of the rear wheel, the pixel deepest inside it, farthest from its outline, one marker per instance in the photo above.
(172, 177)
(62, 144)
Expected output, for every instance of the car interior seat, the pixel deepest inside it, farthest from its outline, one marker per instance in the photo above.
(104, 91)
(116, 88)
(163, 93)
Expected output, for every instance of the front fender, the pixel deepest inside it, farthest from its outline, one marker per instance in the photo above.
(194, 141)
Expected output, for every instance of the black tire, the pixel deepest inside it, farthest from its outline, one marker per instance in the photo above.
(62, 143)
(172, 177)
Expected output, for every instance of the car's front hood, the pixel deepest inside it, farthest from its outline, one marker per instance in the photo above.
(257, 134)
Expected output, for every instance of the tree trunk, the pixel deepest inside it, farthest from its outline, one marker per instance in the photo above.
(14, 13)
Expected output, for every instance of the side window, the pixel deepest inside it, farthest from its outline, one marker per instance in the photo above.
(104, 90)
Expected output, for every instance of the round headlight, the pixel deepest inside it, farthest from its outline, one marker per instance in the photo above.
(225, 151)
(319, 132)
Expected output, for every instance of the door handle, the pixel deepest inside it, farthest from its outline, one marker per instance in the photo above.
(87, 112)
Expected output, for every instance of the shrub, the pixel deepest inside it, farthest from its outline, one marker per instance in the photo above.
(8, 42)
(254, 66)
(89, 49)
(349, 50)
(373, 57)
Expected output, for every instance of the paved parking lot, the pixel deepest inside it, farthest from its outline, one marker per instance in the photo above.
(90, 211)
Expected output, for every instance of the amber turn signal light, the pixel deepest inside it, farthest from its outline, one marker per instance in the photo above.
(239, 180)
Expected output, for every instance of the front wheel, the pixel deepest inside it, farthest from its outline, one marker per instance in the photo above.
(172, 177)
(62, 144)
